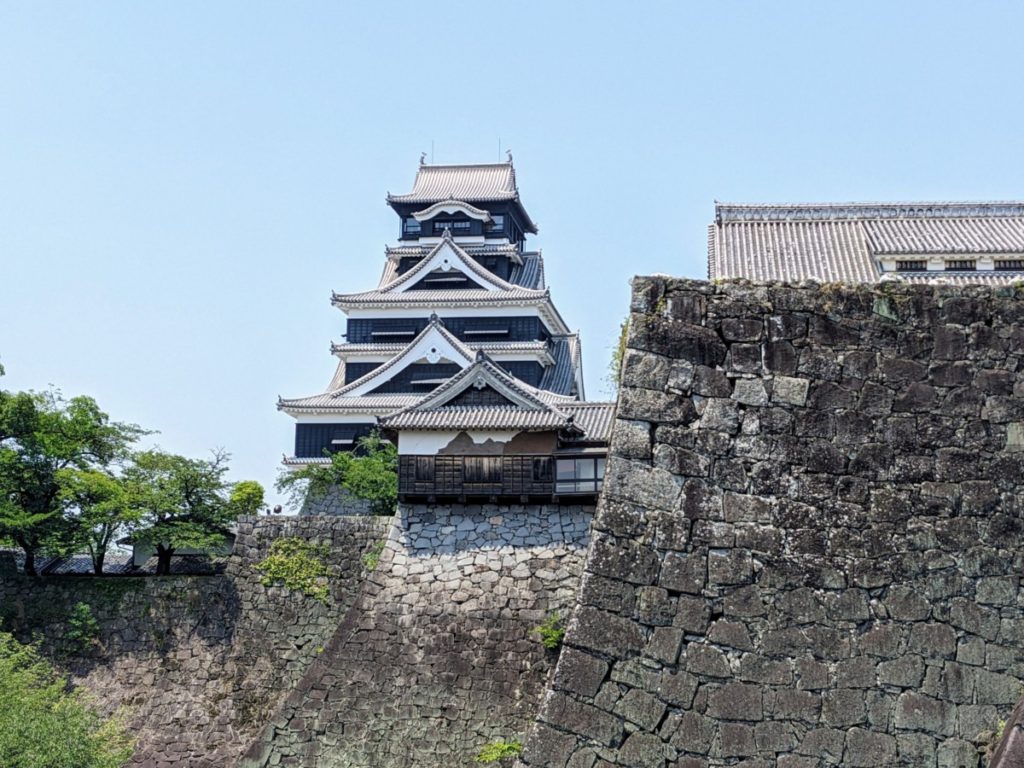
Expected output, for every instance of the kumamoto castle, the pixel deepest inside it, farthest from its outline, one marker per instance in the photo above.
(795, 540)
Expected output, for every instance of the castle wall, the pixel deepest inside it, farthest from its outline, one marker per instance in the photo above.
(439, 655)
(197, 662)
(809, 545)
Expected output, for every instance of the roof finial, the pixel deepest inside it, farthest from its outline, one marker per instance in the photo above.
(433, 318)
(508, 154)
(480, 355)
(423, 158)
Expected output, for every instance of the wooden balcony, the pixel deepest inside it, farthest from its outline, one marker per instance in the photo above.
(492, 477)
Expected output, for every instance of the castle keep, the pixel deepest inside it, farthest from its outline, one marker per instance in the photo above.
(461, 356)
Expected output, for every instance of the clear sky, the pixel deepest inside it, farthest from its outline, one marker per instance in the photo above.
(183, 184)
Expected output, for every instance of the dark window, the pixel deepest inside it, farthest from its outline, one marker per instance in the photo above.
(542, 469)
(917, 265)
(482, 469)
(1009, 264)
(425, 469)
(410, 226)
(454, 226)
(497, 223)
(579, 475)
(962, 264)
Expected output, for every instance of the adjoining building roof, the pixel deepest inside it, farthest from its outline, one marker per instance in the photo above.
(849, 242)
(562, 377)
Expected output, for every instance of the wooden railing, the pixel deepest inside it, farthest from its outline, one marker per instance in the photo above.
(482, 476)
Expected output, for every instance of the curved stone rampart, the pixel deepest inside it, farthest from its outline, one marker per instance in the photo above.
(439, 655)
(197, 662)
(809, 545)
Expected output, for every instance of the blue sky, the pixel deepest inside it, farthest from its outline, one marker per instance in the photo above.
(183, 184)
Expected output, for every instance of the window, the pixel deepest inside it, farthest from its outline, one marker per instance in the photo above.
(917, 265)
(579, 475)
(962, 264)
(456, 227)
(1009, 264)
(497, 223)
(410, 226)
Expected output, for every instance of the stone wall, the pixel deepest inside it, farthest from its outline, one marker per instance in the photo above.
(439, 655)
(197, 662)
(336, 502)
(809, 546)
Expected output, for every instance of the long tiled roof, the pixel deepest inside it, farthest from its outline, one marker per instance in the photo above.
(469, 183)
(832, 243)
(328, 402)
(391, 348)
(440, 298)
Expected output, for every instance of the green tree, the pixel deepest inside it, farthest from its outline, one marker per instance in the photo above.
(40, 435)
(97, 508)
(183, 503)
(370, 472)
(247, 498)
(44, 725)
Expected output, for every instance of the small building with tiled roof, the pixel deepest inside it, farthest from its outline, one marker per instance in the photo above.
(460, 292)
(958, 243)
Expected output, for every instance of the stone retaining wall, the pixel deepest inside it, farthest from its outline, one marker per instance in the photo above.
(809, 546)
(197, 662)
(439, 655)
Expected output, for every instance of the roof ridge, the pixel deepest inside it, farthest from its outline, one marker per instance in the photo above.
(923, 209)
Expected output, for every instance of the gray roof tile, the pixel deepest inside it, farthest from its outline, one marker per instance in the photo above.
(470, 183)
(833, 243)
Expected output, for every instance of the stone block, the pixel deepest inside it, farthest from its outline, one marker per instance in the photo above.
(867, 749)
(603, 632)
(579, 672)
(736, 701)
(789, 391)
(916, 712)
(574, 716)
(843, 707)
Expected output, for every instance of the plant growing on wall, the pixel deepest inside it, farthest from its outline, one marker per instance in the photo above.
(618, 353)
(83, 631)
(499, 750)
(298, 565)
(44, 725)
(370, 472)
(371, 558)
(551, 631)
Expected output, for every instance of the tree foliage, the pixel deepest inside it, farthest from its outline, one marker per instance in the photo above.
(370, 472)
(43, 725)
(41, 436)
(70, 481)
(183, 503)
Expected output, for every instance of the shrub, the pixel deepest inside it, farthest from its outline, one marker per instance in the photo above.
(298, 565)
(499, 750)
(83, 631)
(551, 631)
(43, 725)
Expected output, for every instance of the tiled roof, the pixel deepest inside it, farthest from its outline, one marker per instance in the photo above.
(534, 347)
(979, 235)
(469, 183)
(527, 269)
(439, 298)
(560, 378)
(328, 402)
(477, 417)
(595, 419)
(828, 251)
(467, 261)
(832, 243)
(529, 274)
(963, 278)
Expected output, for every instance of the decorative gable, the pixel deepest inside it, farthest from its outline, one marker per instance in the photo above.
(484, 395)
(447, 260)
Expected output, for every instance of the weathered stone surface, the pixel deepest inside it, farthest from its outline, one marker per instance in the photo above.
(845, 572)
(201, 661)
